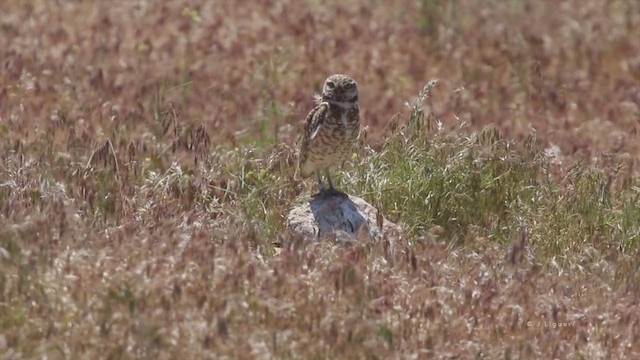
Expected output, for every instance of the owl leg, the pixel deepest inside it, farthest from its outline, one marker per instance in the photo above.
(329, 179)
(320, 185)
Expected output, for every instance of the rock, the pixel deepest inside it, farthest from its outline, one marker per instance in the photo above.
(333, 213)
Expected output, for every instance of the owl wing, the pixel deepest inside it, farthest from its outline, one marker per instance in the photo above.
(312, 125)
(314, 121)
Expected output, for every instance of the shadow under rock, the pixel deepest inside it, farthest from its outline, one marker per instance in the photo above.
(334, 210)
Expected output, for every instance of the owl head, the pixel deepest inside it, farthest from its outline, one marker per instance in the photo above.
(340, 88)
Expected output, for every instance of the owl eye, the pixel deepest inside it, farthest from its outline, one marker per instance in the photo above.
(348, 86)
(331, 84)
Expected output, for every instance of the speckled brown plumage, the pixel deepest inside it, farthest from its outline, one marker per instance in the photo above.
(331, 128)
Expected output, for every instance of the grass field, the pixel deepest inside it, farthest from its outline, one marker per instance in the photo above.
(148, 151)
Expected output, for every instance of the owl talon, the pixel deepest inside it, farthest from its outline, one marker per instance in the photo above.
(320, 185)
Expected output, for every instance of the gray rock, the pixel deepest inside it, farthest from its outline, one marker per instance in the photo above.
(333, 213)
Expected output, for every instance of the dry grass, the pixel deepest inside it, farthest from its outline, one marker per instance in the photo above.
(147, 161)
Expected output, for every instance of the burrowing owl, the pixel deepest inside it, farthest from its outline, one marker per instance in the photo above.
(330, 129)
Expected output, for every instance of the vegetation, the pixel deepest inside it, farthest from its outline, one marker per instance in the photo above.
(148, 152)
